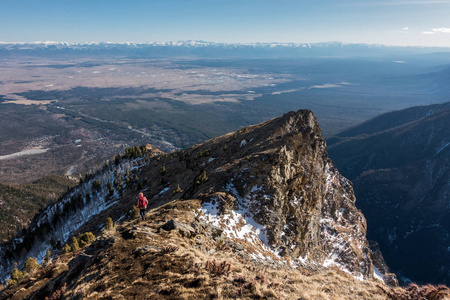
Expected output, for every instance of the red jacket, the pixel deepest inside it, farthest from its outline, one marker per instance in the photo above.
(142, 202)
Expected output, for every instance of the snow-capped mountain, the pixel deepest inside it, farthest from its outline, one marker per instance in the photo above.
(211, 49)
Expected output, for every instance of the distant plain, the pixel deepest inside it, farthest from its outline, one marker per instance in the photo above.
(84, 110)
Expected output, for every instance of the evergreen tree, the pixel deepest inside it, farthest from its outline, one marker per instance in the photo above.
(31, 265)
(75, 246)
(48, 257)
(86, 238)
(16, 276)
(177, 190)
(109, 225)
(134, 213)
(66, 249)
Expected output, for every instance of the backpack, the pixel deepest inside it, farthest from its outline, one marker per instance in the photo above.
(142, 202)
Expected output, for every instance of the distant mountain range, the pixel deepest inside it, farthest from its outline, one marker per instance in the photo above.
(212, 49)
(399, 163)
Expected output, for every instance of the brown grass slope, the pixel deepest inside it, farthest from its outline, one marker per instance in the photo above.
(140, 260)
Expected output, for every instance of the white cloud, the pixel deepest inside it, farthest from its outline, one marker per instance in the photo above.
(405, 28)
(442, 29)
(428, 32)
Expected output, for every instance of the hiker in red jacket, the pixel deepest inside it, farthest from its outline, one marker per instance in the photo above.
(142, 205)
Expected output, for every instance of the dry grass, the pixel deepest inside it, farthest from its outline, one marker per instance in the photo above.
(414, 291)
(140, 267)
(169, 249)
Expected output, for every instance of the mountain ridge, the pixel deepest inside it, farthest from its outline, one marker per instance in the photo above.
(216, 49)
(271, 187)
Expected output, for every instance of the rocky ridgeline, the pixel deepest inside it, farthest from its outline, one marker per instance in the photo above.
(270, 192)
(277, 178)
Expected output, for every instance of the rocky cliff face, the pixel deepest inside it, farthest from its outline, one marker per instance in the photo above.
(277, 175)
(269, 190)
(400, 165)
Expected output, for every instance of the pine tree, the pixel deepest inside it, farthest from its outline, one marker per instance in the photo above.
(48, 257)
(203, 176)
(134, 213)
(31, 265)
(66, 249)
(16, 276)
(177, 190)
(109, 225)
(86, 238)
(75, 246)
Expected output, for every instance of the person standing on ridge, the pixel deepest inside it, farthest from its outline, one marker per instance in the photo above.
(142, 205)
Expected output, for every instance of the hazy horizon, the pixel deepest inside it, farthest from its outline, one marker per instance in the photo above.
(391, 23)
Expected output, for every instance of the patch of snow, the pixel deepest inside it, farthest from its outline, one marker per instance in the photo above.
(330, 178)
(24, 152)
(296, 200)
(99, 201)
(236, 224)
(243, 143)
(442, 147)
(121, 218)
(332, 262)
(163, 191)
(377, 274)
(211, 159)
(303, 260)
(239, 223)
(325, 86)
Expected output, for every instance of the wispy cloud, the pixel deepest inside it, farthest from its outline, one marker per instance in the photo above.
(437, 30)
(405, 28)
(442, 30)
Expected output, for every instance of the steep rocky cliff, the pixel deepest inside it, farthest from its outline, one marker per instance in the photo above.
(268, 192)
(277, 175)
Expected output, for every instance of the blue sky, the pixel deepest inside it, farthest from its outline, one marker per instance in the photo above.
(425, 23)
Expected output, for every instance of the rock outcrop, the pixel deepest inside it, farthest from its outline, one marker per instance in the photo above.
(276, 177)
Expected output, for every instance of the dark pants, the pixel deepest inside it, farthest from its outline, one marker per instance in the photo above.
(142, 213)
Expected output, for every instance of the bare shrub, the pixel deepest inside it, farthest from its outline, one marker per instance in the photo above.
(274, 285)
(218, 268)
(240, 279)
(169, 249)
(221, 245)
(58, 294)
(195, 268)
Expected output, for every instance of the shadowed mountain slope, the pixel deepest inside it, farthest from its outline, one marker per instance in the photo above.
(401, 175)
